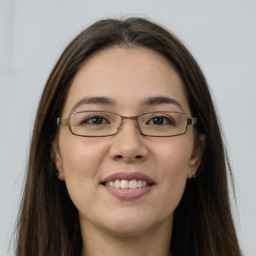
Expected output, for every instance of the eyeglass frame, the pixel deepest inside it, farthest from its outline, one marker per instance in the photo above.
(66, 121)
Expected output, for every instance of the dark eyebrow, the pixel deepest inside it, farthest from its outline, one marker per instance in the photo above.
(161, 100)
(94, 101)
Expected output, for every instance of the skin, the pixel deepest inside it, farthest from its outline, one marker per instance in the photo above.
(109, 225)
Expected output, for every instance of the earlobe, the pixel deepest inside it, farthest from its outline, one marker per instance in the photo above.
(56, 158)
(196, 156)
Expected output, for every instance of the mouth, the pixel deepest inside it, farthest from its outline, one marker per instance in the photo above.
(127, 186)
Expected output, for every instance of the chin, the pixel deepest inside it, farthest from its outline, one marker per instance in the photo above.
(128, 225)
(128, 230)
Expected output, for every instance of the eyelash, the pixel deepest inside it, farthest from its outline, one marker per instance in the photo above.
(167, 119)
(90, 119)
(164, 120)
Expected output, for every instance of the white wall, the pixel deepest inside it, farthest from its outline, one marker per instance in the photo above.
(221, 34)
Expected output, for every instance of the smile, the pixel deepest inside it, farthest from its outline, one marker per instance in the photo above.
(132, 184)
(128, 185)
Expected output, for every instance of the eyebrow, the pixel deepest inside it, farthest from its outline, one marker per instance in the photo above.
(94, 101)
(160, 100)
(151, 101)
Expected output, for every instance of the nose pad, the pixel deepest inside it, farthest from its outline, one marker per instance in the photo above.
(128, 144)
(133, 120)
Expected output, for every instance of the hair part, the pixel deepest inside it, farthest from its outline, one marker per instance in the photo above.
(48, 222)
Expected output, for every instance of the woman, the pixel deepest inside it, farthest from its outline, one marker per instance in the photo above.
(126, 156)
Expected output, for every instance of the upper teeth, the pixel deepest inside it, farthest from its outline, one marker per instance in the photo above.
(127, 184)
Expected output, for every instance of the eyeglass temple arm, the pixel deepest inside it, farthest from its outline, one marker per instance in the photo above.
(192, 121)
(62, 121)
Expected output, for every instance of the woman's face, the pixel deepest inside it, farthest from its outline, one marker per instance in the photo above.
(127, 81)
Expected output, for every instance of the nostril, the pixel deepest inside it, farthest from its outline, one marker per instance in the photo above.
(120, 157)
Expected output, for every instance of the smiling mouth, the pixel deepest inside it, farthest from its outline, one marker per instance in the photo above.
(127, 184)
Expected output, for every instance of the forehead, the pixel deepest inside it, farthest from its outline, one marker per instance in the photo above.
(127, 76)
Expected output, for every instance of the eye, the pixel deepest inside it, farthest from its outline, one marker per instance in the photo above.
(161, 120)
(94, 120)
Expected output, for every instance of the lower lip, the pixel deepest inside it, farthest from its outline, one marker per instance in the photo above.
(128, 194)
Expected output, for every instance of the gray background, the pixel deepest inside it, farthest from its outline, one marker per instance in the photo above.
(221, 34)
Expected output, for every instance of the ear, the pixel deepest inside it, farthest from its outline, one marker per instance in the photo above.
(56, 158)
(196, 156)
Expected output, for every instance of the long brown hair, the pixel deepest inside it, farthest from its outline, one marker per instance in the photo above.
(48, 222)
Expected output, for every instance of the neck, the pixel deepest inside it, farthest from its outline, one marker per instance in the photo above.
(98, 242)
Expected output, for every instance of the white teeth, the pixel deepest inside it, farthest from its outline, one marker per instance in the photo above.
(117, 184)
(132, 184)
(124, 184)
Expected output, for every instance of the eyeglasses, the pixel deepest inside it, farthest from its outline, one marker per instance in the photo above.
(103, 123)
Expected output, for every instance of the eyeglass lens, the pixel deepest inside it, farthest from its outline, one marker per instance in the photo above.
(100, 123)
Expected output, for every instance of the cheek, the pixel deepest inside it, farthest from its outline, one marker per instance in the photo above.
(81, 163)
(81, 160)
(174, 166)
(80, 154)
(174, 157)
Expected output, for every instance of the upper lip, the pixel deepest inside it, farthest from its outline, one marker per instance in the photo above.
(128, 176)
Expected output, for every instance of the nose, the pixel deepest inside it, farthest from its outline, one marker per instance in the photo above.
(128, 144)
